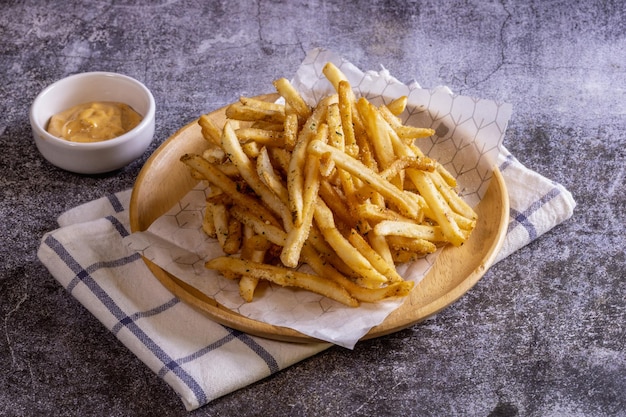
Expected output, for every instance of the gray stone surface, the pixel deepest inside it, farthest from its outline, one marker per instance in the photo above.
(543, 332)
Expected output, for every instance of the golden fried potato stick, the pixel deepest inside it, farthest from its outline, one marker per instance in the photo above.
(446, 175)
(410, 230)
(240, 111)
(439, 207)
(293, 98)
(344, 91)
(254, 248)
(235, 153)
(336, 76)
(267, 106)
(290, 131)
(210, 131)
(284, 277)
(336, 203)
(268, 175)
(295, 175)
(397, 106)
(296, 237)
(405, 132)
(454, 200)
(418, 247)
(214, 155)
(369, 276)
(232, 244)
(276, 127)
(377, 261)
(218, 179)
(260, 136)
(407, 205)
(369, 295)
(271, 232)
(335, 138)
(380, 245)
(220, 220)
(377, 132)
(208, 224)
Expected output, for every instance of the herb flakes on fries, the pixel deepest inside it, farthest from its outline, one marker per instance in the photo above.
(340, 187)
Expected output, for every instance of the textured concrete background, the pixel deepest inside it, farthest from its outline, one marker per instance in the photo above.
(542, 334)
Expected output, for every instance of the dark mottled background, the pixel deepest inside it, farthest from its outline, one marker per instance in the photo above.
(542, 334)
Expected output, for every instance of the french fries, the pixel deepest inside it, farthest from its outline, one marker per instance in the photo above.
(340, 187)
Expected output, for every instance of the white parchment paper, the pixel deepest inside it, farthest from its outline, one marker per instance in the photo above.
(469, 134)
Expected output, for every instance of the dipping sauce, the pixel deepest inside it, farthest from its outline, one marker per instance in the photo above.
(94, 122)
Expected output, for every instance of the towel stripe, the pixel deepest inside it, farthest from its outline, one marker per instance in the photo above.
(522, 218)
(258, 349)
(121, 229)
(116, 263)
(115, 203)
(142, 314)
(115, 310)
(84, 275)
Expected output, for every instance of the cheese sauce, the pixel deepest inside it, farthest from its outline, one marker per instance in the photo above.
(94, 122)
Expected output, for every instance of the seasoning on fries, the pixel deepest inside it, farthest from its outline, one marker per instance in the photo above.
(340, 187)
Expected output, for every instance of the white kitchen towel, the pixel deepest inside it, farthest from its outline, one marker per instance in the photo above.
(200, 359)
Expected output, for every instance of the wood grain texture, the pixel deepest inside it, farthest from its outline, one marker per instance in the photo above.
(164, 180)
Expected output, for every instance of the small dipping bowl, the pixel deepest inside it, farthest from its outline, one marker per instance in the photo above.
(93, 157)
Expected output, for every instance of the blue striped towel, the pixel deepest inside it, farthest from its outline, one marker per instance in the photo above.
(200, 359)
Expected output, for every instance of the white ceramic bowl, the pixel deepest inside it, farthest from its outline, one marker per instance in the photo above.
(93, 157)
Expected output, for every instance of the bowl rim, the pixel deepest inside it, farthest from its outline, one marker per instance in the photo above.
(148, 118)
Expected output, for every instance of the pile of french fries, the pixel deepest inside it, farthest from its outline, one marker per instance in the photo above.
(340, 187)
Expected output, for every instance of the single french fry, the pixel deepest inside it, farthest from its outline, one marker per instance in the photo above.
(249, 218)
(405, 132)
(345, 102)
(290, 131)
(397, 106)
(220, 220)
(210, 131)
(284, 277)
(262, 104)
(208, 224)
(268, 175)
(291, 96)
(214, 155)
(232, 244)
(296, 237)
(418, 247)
(410, 230)
(379, 136)
(260, 136)
(254, 248)
(240, 111)
(295, 175)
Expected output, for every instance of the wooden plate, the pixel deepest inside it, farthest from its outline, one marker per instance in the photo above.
(164, 180)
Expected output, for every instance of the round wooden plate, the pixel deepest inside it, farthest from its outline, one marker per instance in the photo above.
(164, 180)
